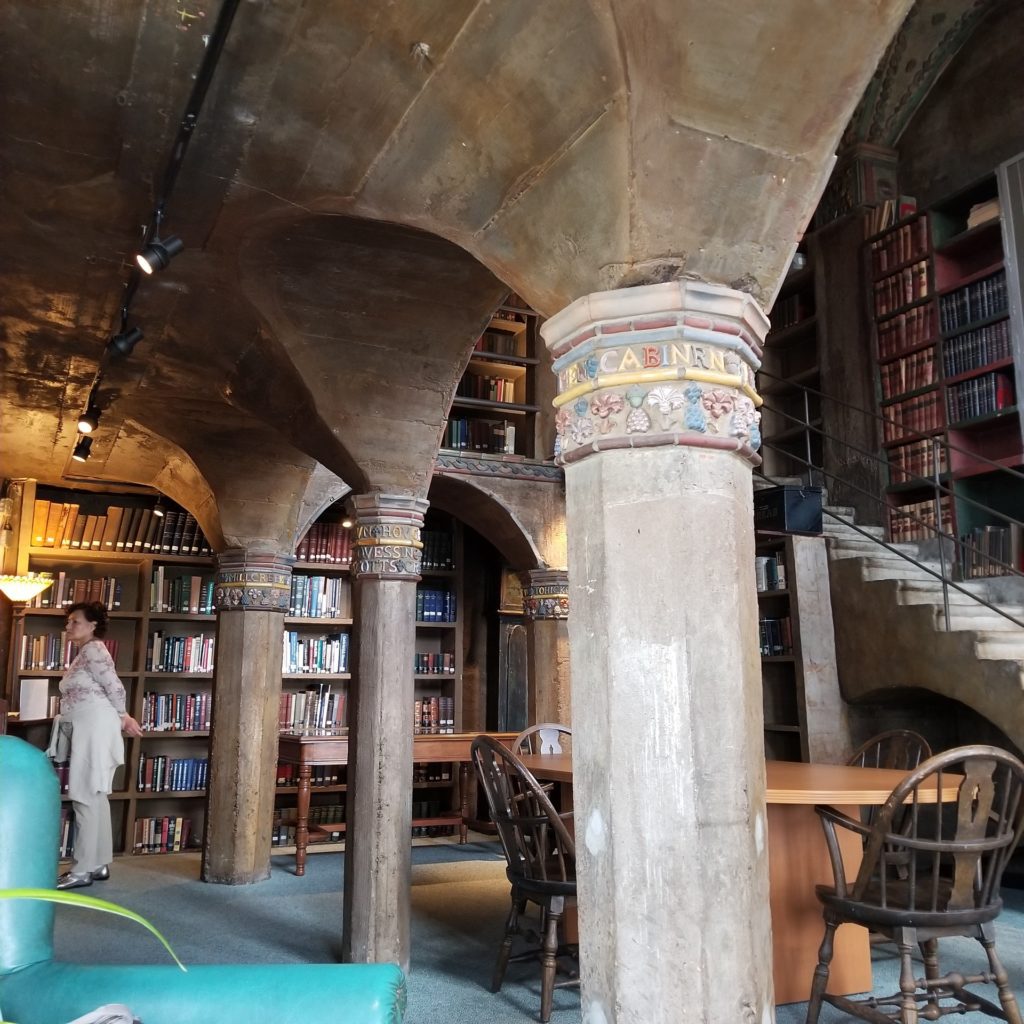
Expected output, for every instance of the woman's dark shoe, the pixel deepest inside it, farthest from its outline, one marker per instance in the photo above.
(70, 880)
(101, 874)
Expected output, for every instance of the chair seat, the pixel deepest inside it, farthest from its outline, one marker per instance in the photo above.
(898, 913)
(537, 888)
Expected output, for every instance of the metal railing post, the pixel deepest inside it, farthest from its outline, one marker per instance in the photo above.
(807, 438)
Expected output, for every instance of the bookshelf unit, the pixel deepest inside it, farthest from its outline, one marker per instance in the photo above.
(150, 588)
(947, 365)
(791, 352)
(495, 408)
(437, 674)
(798, 676)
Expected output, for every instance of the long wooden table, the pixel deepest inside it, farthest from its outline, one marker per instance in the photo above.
(798, 860)
(326, 748)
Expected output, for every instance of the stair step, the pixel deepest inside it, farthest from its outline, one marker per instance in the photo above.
(917, 591)
(846, 511)
(896, 568)
(1001, 646)
(832, 528)
(965, 618)
(853, 546)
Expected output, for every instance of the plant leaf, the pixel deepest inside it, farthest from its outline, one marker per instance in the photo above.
(74, 899)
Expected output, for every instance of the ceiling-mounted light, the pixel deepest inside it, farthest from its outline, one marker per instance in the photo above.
(124, 342)
(158, 508)
(159, 253)
(81, 452)
(89, 420)
(346, 523)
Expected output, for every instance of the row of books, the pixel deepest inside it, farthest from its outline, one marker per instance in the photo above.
(320, 597)
(433, 663)
(490, 389)
(913, 416)
(433, 715)
(775, 636)
(500, 343)
(992, 551)
(67, 590)
(163, 774)
(326, 542)
(121, 528)
(907, 242)
(438, 549)
(916, 460)
(979, 396)
(435, 605)
(770, 572)
(887, 212)
(66, 841)
(62, 769)
(328, 821)
(54, 651)
(176, 712)
(496, 437)
(906, 330)
(312, 708)
(917, 370)
(901, 288)
(162, 835)
(976, 348)
(302, 653)
(918, 520)
(975, 301)
(511, 316)
(790, 311)
(436, 771)
(190, 595)
(320, 775)
(175, 653)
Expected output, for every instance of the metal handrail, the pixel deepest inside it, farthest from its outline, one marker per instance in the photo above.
(935, 483)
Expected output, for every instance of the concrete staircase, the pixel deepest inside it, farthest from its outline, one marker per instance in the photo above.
(892, 635)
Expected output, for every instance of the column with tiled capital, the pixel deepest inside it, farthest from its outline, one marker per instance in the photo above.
(386, 566)
(546, 609)
(657, 430)
(251, 591)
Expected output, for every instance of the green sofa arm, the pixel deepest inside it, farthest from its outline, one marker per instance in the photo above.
(54, 993)
(36, 989)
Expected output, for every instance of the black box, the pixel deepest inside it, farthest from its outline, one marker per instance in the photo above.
(788, 509)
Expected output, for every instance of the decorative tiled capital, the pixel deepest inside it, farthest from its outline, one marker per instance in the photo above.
(546, 593)
(387, 538)
(663, 364)
(252, 582)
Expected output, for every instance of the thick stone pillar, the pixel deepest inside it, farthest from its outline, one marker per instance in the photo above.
(251, 595)
(388, 553)
(657, 428)
(546, 609)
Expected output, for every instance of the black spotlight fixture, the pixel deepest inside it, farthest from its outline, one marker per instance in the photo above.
(158, 508)
(89, 420)
(159, 253)
(123, 342)
(81, 452)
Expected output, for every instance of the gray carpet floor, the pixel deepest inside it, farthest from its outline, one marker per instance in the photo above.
(459, 901)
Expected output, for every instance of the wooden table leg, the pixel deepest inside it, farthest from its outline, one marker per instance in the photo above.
(463, 802)
(302, 818)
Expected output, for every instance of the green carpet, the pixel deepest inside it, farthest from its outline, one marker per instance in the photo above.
(459, 902)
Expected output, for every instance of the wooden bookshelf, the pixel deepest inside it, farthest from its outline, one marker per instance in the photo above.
(798, 675)
(791, 356)
(948, 366)
(495, 408)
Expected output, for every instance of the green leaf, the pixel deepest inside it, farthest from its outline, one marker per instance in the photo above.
(74, 899)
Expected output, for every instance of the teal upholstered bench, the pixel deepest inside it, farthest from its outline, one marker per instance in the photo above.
(36, 989)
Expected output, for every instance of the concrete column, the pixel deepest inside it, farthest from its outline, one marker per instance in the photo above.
(657, 430)
(388, 553)
(251, 595)
(546, 609)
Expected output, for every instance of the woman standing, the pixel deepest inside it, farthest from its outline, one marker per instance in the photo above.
(92, 711)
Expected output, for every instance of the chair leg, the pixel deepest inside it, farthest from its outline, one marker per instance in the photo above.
(930, 955)
(1006, 996)
(549, 952)
(908, 983)
(511, 929)
(820, 980)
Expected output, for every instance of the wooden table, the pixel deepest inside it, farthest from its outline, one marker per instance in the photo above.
(320, 748)
(798, 860)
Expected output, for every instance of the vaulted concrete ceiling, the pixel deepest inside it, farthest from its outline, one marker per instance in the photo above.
(365, 182)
